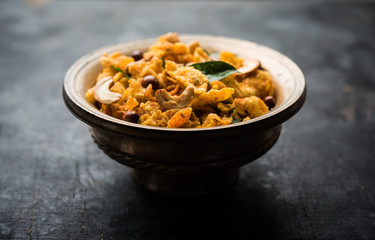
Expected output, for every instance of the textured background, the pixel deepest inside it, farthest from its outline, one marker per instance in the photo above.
(318, 182)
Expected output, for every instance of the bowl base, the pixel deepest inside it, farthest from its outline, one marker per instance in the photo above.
(184, 185)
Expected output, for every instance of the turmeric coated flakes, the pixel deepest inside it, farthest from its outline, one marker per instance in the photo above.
(176, 85)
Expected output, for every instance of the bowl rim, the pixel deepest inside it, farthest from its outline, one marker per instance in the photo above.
(95, 118)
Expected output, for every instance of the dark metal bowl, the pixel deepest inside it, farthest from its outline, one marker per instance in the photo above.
(187, 161)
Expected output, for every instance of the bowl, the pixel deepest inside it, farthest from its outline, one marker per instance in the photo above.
(187, 161)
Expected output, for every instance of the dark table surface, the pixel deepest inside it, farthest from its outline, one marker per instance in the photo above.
(317, 182)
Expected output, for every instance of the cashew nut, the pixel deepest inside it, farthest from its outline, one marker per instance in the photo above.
(172, 102)
(193, 46)
(102, 93)
(172, 37)
(249, 66)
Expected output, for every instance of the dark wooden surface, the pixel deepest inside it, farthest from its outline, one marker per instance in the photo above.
(316, 183)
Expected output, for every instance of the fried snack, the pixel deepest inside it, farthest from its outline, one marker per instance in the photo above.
(163, 87)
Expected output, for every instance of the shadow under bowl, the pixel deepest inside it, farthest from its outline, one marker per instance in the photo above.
(187, 161)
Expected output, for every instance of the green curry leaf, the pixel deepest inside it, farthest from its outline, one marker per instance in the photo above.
(163, 63)
(215, 70)
(120, 70)
(117, 69)
(206, 52)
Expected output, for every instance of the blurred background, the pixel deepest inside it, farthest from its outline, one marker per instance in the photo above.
(317, 182)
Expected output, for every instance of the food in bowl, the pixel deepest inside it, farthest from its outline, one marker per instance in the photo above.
(158, 156)
(178, 85)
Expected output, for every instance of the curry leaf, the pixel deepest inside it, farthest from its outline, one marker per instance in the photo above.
(206, 52)
(163, 63)
(117, 69)
(215, 70)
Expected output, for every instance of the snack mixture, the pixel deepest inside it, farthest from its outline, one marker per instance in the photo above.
(176, 85)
